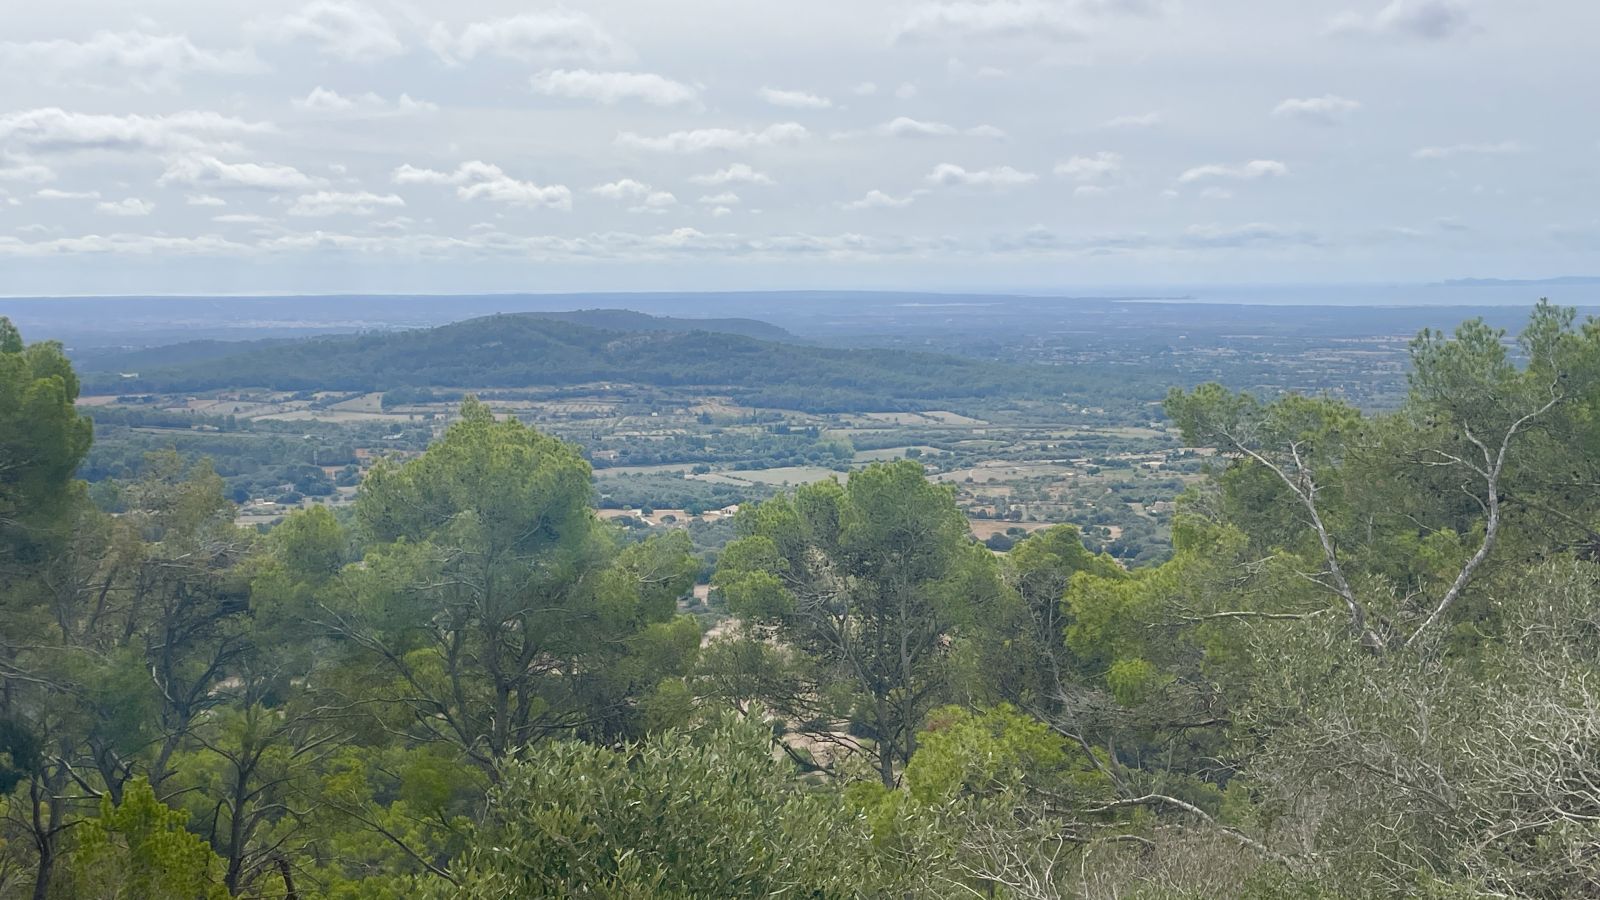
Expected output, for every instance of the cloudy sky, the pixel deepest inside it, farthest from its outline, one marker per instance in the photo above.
(168, 146)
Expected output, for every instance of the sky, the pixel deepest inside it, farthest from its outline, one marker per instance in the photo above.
(168, 146)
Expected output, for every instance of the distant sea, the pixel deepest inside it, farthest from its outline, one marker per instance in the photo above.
(1582, 291)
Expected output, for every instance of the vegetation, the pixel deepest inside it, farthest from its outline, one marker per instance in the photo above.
(1366, 669)
(523, 350)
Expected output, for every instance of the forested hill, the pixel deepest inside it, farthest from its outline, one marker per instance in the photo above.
(631, 320)
(507, 351)
(189, 352)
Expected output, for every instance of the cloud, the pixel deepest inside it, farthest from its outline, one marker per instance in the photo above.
(146, 60)
(1250, 171)
(1503, 148)
(906, 127)
(865, 89)
(1216, 193)
(738, 173)
(31, 172)
(795, 99)
(1085, 169)
(480, 180)
(550, 36)
(656, 200)
(952, 175)
(53, 194)
(876, 199)
(903, 126)
(130, 207)
(702, 139)
(350, 31)
(1431, 20)
(53, 129)
(125, 244)
(988, 19)
(1221, 236)
(726, 198)
(1141, 120)
(611, 88)
(204, 200)
(210, 172)
(323, 100)
(340, 203)
(1328, 109)
(240, 219)
(625, 189)
(649, 199)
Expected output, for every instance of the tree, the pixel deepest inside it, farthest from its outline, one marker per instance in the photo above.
(681, 815)
(494, 600)
(42, 440)
(1318, 469)
(865, 588)
(140, 850)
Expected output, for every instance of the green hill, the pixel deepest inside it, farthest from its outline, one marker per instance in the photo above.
(509, 351)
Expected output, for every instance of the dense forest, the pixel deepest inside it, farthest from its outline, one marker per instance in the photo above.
(523, 350)
(1367, 670)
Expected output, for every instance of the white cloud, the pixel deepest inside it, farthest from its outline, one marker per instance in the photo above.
(323, 100)
(952, 175)
(905, 91)
(53, 194)
(865, 89)
(1084, 169)
(726, 198)
(1503, 148)
(53, 129)
(210, 172)
(795, 99)
(738, 173)
(1423, 19)
(992, 19)
(649, 199)
(1216, 193)
(130, 207)
(480, 180)
(550, 36)
(1250, 171)
(656, 201)
(613, 87)
(1225, 236)
(204, 200)
(1139, 120)
(1328, 109)
(906, 127)
(340, 203)
(702, 139)
(876, 199)
(25, 171)
(240, 219)
(349, 31)
(625, 189)
(143, 59)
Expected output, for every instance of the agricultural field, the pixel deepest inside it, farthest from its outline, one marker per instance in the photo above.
(682, 455)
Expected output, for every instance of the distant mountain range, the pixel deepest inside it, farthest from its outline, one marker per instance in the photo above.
(540, 350)
(194, 352)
